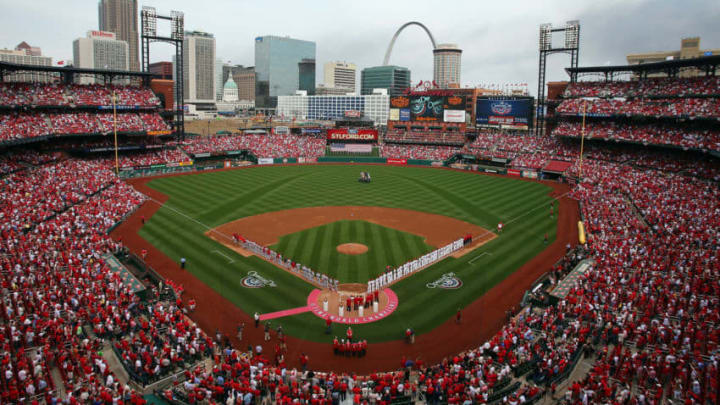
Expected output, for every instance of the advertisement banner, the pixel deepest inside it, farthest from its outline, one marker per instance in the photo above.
(400, 102)
(394, 114)
(404, 114)
(281, 130)
(454, 116)
(529, 174)
(391, 161)
(353, 114)
(201, 155)
(513, 172)
(345, 134)
(159, 132)
(265, 161)
(504, 111)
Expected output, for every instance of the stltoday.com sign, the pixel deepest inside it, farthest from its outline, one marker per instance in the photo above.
(352, 134)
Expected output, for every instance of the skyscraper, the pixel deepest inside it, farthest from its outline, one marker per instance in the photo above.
(306, 76)
(121, 17)
(393, 78)
(199, 67)
(447, 65)
(340, 75)
(277, 66)
(100, 50)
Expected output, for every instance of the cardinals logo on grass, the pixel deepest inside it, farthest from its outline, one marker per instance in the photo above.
(254, 280)
(448, 281)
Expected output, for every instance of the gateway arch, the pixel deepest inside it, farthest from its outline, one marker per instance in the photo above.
(397, 33)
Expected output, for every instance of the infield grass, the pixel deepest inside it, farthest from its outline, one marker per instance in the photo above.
(315, 248)
(201, 201)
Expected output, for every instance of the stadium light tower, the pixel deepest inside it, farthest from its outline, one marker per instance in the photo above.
(148, 21)
(571, 46)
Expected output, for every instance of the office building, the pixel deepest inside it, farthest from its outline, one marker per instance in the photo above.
(322, 90)
(100, 50)
(306, 76)
(447, 64)
(24, 54)
(689, 48)
(219, 80)
(28, 49)
(341, 76)
(121, 17)
(199, 69)
(162, 70)
(394, 79)
(301, 106)
(277, 67)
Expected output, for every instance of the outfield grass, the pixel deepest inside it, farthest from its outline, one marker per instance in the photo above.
(315, 248)
(206, 200)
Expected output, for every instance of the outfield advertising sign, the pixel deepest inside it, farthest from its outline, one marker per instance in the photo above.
(404, 114)
(454, 116)
(346, 134)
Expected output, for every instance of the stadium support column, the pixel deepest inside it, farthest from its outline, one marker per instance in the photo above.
(571, 46)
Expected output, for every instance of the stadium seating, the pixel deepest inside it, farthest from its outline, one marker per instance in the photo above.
(425, 137)
(660, 87)
(660, 107)
(61, 95)
(656, 134)
(418, 151)
(645, 314)
(275, 146)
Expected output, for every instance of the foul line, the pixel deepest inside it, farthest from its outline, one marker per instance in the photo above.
(479, 256)
(223, 255)
(189, 217)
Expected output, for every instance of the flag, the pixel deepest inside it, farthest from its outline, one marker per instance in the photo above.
(61, 62)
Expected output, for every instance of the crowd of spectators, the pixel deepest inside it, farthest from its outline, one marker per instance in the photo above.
(29, 125)
(149, 157)
(53, 222)
(657, 134)
(647, 107)
(425, 137)
(75, 95)
(269, 146)
(659, 87)
(428, 152)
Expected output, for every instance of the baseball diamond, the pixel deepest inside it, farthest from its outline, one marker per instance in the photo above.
(179, 225)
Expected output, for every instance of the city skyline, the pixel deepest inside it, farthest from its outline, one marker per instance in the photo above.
(499, 41)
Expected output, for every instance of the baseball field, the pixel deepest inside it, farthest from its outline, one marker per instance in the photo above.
(190, 215)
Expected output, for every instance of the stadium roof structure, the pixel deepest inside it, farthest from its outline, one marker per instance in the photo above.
(68, 71)
(707, 63)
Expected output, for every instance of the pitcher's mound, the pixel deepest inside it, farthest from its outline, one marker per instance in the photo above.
(352, 248)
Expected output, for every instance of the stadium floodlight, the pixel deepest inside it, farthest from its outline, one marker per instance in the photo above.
(545, 36)
(149, 14)
(572, 34)
(177, 25)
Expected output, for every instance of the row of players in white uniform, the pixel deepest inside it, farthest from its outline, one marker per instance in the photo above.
(305, 272)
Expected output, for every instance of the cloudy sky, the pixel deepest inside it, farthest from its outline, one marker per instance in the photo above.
(499, 38)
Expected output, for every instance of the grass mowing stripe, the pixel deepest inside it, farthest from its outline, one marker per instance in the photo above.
(484, 197)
